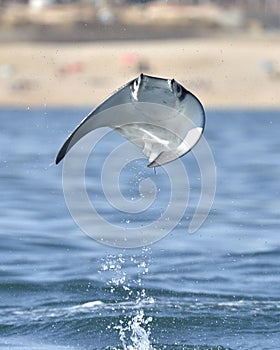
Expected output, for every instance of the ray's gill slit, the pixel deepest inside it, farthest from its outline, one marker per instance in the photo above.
(132, 324)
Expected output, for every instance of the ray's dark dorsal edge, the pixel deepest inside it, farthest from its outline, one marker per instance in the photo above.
(159, 115)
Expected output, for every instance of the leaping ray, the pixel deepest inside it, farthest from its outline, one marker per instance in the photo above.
(159, 115)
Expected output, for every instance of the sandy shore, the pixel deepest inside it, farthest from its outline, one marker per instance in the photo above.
(233, 72)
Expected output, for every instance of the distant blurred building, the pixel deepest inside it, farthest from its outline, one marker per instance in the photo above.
(40, 3)
(43, 3)
(266, 12)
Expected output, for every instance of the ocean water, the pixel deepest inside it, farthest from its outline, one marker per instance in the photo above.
(216, 289)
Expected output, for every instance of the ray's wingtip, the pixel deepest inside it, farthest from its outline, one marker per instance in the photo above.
(58, 158)
(62, 152)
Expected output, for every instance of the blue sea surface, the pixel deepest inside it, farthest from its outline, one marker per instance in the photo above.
(216, 289)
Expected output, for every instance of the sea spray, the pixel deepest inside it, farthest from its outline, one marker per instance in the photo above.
(139, 332)
(134, 327)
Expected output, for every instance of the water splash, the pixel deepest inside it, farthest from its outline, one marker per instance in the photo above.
(134, 327)
(113, 266)
(139, 338)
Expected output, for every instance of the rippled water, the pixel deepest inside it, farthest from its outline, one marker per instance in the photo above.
(216, 289)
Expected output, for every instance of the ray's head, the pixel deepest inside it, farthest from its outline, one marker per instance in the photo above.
(170, 93)
(146, 88)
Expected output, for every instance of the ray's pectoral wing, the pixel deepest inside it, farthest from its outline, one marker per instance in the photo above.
(99, 117)
(187, 128)
(190, 140)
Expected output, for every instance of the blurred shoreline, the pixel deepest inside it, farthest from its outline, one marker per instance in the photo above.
(240, 72)
(108, 21)
(80, 63)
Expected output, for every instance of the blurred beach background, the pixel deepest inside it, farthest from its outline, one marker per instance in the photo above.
(75, 53)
